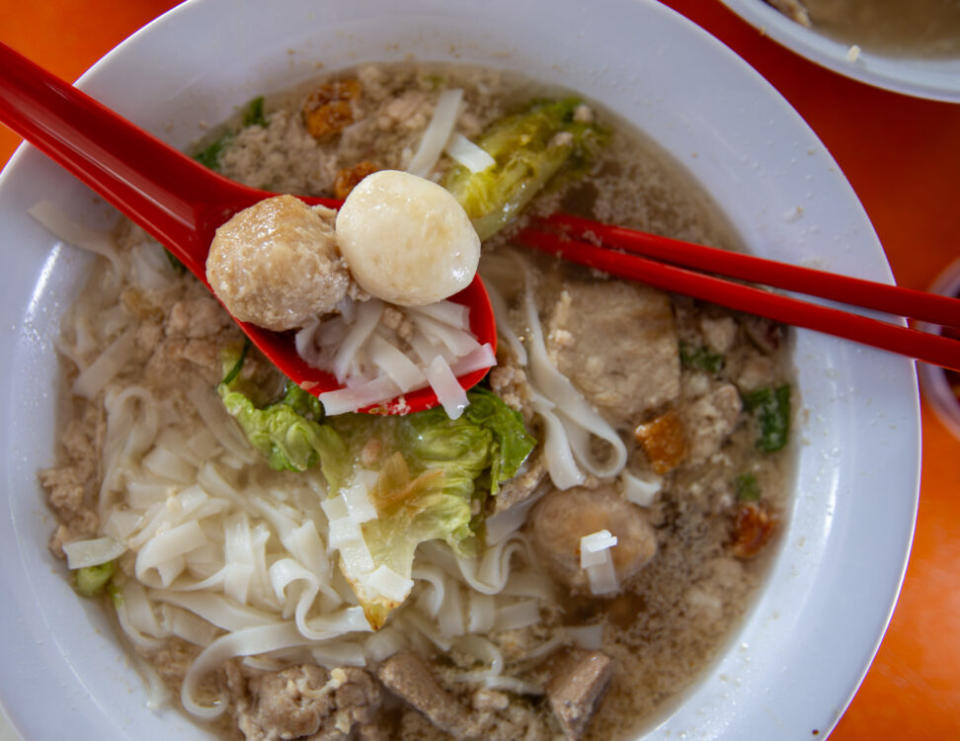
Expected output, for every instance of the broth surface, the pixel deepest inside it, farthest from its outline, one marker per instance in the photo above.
(664, 627)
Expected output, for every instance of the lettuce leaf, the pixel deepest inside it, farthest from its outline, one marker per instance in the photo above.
(432, 475)
(434, 478)
(530, 148)
(288, 432)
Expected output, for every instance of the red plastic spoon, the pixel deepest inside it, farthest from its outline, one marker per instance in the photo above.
(175, 199)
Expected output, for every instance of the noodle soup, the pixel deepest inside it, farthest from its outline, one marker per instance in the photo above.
(562, 560)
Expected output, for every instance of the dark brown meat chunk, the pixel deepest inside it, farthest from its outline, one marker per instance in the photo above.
(329, 109)
(561, 518)
(577, 683)
(303, 701)
(664, 441)
(408, 676)
(348, 178)
(753, 527)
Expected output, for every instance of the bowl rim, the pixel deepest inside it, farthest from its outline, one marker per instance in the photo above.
(828, 695)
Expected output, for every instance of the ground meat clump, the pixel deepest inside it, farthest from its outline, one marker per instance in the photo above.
(303, 702)
(277, 264)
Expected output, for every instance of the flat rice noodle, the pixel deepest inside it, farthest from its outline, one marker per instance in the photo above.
(168, 546)
(641, 491)
(339, 653)
(459, 341)
(259, 640)
(55, 221)
(167, 464)
(85, 553)
(111, 361)
(577, 415)
(215, 609)
(557, 452)
(391, 361)
(383, 644)
(517, 615)
(447, 312)
(221, 424)
(437, 134)
(468, 154)
(450, 617)
(368, 316)
(431, 597)
(351, 399)
(479, 359)
(449, 392)
(191, 628)
(482, 612)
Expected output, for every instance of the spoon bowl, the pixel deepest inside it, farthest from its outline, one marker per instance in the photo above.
(176, 200)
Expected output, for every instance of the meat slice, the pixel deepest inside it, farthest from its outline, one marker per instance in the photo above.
(302, 701)
(624, 373)
(577, 683)
(408, 676)
(561, 518)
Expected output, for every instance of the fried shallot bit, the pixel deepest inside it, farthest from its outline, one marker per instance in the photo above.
(329, 109)
(753, 526)
(349, 177)
(663, 441)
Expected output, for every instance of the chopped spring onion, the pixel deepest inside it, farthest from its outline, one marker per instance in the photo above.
(437, 133)
(468, 154)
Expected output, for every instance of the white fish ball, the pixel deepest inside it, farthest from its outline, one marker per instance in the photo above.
(407, 240)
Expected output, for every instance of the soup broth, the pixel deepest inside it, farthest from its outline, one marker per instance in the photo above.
(231, 585)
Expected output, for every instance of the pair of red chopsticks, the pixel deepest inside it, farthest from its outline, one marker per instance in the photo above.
(626, 253)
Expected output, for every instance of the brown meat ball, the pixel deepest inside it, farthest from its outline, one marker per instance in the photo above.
(562, 517)
(277, 264)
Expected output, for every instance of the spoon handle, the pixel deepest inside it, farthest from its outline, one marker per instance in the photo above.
(174, 198)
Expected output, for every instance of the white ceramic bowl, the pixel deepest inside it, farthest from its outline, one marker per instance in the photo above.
(806, 643)
(937, 79)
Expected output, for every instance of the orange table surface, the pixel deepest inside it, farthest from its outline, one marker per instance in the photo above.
(902, 156)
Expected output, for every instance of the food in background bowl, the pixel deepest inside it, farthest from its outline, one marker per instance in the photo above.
(905, 47)
(921, 28)
(564, 558)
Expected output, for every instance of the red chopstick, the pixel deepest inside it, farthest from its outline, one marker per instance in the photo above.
(924, 346)
(907, 302)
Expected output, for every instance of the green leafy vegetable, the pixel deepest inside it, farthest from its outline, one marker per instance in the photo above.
(287, 432)
(747, 486)
(91, 580)
(209, 156)
(530, 148)
(432, 473)
(434, 477)
(771, 408)
(701, 358)
(253, 116)
(178, 267)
